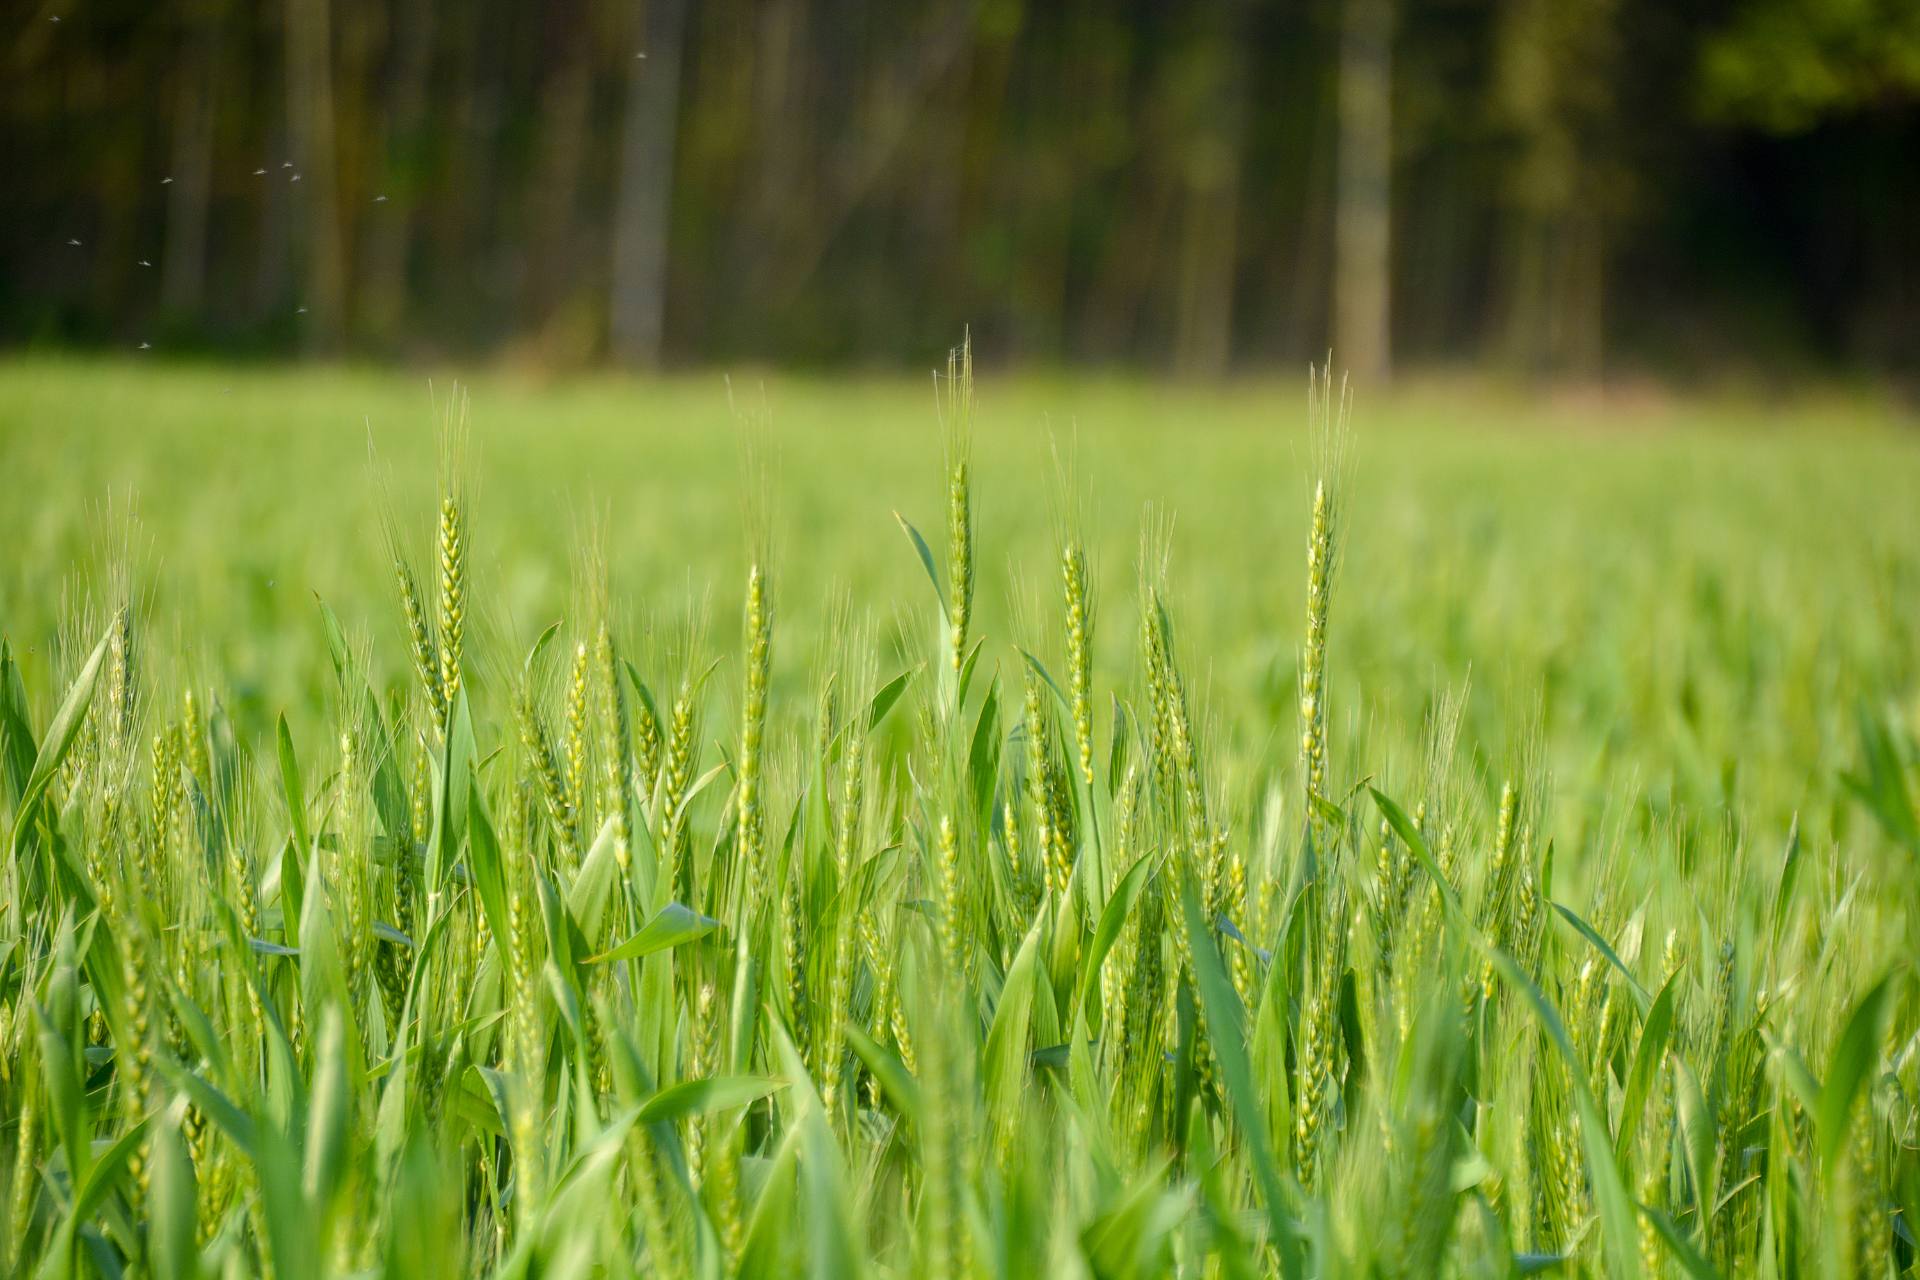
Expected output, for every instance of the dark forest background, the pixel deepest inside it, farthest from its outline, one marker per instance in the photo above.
(1562, 187)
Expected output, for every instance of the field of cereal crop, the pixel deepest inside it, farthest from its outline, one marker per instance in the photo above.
(559, 828)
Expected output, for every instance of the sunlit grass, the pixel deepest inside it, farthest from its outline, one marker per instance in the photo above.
(327, 949)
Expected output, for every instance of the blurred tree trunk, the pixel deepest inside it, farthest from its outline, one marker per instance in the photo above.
(384, 260)
(637, 303)
(360, 41)
(311, 124)
(274, 242)
(782, 145)
(1001, 159)
(1363, 218)
(458, 254)
(1203, 314)
(183, 265)
(565, 97)
(1553, 85)
(1203, 330)
(1142, 201)
(1305, 322)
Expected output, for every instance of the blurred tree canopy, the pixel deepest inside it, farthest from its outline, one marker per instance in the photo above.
(1558, 186)
(1786, 64)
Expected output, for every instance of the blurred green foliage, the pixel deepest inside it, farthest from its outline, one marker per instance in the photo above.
(1563, 186)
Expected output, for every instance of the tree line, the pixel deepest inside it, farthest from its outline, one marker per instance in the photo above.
(1561, 186)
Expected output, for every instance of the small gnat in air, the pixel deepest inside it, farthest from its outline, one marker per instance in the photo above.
(146, 346)
(379, 199)
(295, 178)
(259, 173)
(145, 263)
(640, 55)
(165, 181)
(299, 311)
(73, 242)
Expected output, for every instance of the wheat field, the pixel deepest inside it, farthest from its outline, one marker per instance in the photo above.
(960, 828)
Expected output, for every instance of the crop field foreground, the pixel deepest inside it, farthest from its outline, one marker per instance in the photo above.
(1060, 828)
